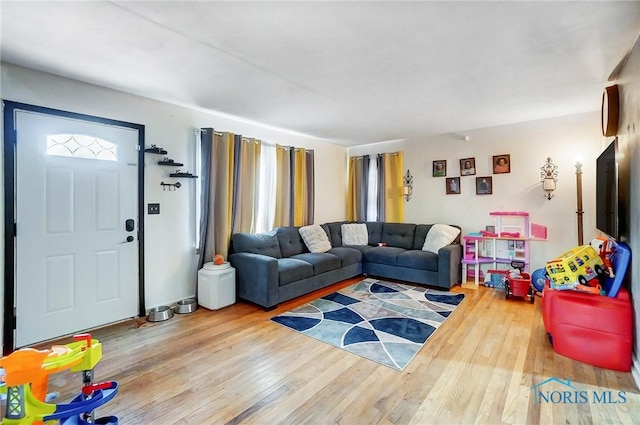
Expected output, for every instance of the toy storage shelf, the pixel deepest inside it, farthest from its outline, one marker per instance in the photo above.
(509, 241)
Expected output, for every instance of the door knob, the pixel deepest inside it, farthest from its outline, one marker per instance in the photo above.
(129, 239)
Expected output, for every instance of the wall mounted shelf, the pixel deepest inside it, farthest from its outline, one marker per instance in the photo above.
(156, 149)
(183, 175)
(170, 163)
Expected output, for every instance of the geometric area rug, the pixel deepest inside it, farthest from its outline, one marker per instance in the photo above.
(381, 321)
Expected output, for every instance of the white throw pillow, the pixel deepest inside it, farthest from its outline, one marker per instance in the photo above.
(354, 234)
(440, 235)
(315, 238)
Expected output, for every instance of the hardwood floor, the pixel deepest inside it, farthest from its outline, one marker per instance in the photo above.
(234, 366)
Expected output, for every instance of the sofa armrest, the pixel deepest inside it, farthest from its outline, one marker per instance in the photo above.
(256, 278)
(449, 266)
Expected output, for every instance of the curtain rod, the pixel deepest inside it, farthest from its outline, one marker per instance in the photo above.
(247, 139)
(203, 130)
(218, 133)
(380, 154)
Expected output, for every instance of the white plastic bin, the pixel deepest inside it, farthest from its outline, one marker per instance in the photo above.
(216, 286)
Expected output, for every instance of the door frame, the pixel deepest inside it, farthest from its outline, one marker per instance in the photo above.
(10, 139)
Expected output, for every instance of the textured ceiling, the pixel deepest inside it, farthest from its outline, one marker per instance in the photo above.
(350, 72)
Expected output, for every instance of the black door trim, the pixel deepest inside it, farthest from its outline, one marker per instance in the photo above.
(10, 139)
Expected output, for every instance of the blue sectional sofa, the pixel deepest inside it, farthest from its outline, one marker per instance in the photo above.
(277, 266)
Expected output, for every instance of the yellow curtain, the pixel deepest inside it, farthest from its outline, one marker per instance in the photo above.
(222, 191)
(283, 187)
(246, 186)
(355, 208)
(394, 202)
(299, 187)
(351, 201)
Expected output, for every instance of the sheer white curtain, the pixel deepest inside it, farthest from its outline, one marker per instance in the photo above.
(267, 189)
(372, 192)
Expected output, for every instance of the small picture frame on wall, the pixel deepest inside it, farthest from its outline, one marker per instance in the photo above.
(453, 185)
(467, 166)
(484, 185)
(440, 168)
(501, 164)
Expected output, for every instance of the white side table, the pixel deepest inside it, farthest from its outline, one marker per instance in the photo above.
(216, 286)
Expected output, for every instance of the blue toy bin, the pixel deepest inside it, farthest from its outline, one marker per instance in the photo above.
(620, 260)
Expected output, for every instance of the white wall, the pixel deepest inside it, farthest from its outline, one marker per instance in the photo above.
(563, 139)
(169, 237)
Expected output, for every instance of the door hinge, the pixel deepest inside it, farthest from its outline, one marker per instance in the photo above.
(15, 229)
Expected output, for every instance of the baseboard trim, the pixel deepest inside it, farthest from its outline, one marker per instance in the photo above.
(635, 370)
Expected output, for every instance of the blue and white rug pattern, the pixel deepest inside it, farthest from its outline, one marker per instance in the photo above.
(382, 321)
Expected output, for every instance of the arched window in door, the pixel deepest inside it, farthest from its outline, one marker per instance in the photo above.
(81, 146)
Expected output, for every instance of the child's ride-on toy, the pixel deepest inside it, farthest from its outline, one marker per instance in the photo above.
(518, 284)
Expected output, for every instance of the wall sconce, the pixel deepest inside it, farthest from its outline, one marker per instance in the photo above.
(549, 174)
(407, 186)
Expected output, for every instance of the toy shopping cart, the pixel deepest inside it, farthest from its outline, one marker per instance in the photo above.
(518, 284)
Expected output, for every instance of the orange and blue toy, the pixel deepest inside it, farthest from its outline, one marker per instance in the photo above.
(26, 374)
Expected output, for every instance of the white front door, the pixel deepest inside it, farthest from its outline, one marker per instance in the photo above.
(77, 225)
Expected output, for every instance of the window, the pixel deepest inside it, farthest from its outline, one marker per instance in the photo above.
(81, 146)
(266, 212)
(372, 194)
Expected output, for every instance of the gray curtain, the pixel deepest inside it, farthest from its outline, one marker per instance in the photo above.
(206, 222)
(292, 177)
(309, 159)
(358, 188)
(365, 185)
(380, 163)
(237, 147)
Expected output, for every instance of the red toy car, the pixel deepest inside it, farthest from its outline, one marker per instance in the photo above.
(519, 286)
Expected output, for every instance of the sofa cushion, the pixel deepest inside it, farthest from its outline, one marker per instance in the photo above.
(361, 248)
(354, 234)
(315, 238)
(321, 261)
(400, 235)
(421, 260)
(257, 243)
(327, 230)
(383, 255)
(421, 235)
(291, 270)
(291, 242)
(336, 232)
(375, 232)
(348, 256)
(439, 236)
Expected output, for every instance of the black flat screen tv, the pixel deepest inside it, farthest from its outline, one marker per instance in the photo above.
(612, 185)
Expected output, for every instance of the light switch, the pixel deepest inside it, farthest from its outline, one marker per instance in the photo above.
(153, 209)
